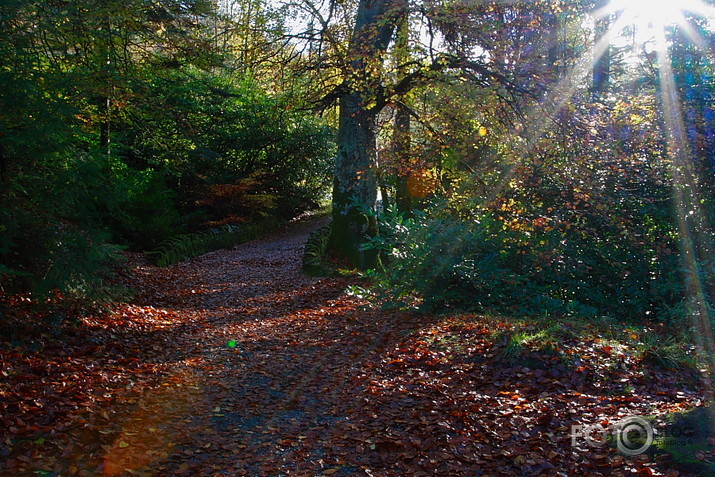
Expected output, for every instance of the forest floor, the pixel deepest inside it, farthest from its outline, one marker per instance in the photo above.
(235, 363)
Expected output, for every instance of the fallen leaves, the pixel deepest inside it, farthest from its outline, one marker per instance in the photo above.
(235, 363)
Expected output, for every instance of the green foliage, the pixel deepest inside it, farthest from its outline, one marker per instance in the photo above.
(52, 236)
(112, 134)
(239, 152)
(581, 223)
(484, 258)
(665, 352)
(314, 256)
(186, 246)
(147, 214)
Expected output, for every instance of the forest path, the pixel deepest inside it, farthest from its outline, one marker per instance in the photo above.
(235, 363)
(260, 364)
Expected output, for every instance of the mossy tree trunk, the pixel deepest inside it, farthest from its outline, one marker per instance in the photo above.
(355, 183)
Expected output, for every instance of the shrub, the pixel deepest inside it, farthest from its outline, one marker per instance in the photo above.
(314, 256)
(234, 151)
(479, 258)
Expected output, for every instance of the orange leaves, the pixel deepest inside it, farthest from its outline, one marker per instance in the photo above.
(156, 387)
(421, 183)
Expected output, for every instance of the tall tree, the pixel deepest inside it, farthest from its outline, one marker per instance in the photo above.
(602, 63)
(363, 97)
(401, 138)
(491, 45)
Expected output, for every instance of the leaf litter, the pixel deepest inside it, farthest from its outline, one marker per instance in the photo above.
(235, 363)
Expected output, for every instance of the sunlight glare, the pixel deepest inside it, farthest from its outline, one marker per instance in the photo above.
(655, 13)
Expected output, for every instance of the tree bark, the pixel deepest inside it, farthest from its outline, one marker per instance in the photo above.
(355, 183)
(401, 147)
(401, 139)
(602, 65)
(4, 173)
(105, 125)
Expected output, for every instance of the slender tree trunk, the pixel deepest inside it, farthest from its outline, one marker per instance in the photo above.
(401, 147)
(105, 125)
(602, 65)
(104, 101)
(401, 140)
(554, 66)
(4, 173)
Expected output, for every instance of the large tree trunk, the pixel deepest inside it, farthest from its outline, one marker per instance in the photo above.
(355, 184)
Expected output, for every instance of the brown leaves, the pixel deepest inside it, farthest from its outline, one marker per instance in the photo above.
(234, 363)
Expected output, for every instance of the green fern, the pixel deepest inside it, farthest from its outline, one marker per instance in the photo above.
(314, 262)
(187, 246)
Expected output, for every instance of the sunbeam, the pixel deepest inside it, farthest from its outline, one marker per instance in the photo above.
(654, 12)
(694, 230)
(542, 116)
(695, 233)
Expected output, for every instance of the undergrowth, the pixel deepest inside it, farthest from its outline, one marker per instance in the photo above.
(186, 246)
(314, 257)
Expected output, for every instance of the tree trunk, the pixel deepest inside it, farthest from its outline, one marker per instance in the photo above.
(355, 183)
(105, 125)
(4, 173)
(401, 139)
(401, 147)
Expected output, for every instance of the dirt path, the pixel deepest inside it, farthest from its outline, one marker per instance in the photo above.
(260, 375)
(235, 363)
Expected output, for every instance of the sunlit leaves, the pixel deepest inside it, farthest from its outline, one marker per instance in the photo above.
(156, 385)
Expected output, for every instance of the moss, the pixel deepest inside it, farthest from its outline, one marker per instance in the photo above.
(685, 437)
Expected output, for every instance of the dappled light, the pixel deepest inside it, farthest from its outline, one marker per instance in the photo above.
(357, 238)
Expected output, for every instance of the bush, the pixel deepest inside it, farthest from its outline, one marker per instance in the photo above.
(580, 223)
(234, 152)
(479, 258)
(314, 256)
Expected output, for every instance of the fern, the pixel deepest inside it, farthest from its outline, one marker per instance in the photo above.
(314, 263)
(187, 246)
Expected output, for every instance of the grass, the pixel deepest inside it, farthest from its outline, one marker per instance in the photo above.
(665, 352)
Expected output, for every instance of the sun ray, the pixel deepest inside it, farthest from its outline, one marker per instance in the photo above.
(558, 96)
(694, 230)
